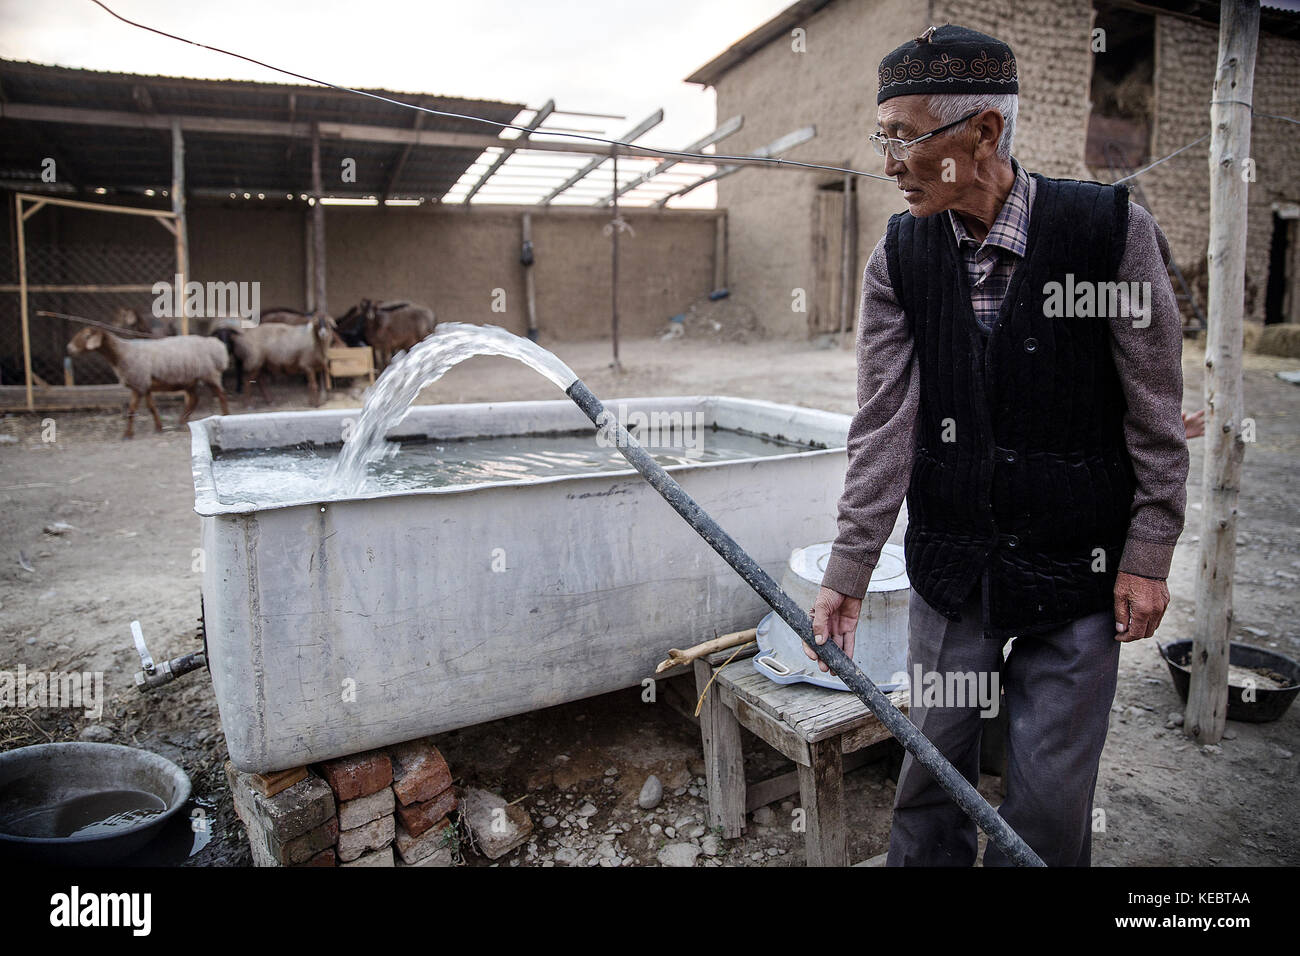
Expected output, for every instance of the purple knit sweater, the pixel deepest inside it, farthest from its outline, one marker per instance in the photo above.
(882, 437)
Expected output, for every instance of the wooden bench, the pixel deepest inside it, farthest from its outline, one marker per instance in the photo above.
(815, 727)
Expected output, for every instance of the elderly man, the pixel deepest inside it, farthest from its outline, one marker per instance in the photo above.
(1030, 409)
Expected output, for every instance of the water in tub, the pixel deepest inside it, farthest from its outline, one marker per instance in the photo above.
(368, 462)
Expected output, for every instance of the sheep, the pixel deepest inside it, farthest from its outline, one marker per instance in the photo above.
(287, 348)
(284, 316)
(387, 327)
(294, 317)
(227, 333)
(145, 366)
(227, 330)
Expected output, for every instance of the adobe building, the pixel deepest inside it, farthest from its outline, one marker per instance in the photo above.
(1082, 114)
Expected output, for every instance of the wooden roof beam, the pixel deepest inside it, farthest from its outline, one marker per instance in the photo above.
(775, 148)
(400, 163)
(299, 129)
(650, 122)
(722, 132)
(547, 109)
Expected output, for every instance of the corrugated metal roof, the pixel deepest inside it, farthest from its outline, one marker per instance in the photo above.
(130, 159)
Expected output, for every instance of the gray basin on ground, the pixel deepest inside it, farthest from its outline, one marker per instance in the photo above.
(55, 800)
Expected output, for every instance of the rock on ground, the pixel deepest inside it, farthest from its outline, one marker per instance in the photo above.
(678, 854)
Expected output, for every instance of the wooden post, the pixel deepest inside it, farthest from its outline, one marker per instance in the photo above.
(720, 251)
(317, 225)
(22, 300)
(530, 289)
(724, 759)
(614, 231)
(181, 231)
(1230, 116)
(848, 252)
(308, 280)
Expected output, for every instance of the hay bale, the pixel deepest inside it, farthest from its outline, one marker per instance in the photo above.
(1282, 339)
(1250, 333)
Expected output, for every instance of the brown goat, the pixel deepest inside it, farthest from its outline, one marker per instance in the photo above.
(389, 327)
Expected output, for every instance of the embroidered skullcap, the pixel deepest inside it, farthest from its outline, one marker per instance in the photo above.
(948, 59)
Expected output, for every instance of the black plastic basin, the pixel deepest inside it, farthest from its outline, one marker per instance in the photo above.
(1269, 703)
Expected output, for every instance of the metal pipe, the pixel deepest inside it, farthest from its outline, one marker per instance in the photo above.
(153, 675)
(168, 671)
(917, 744)
(615, 226)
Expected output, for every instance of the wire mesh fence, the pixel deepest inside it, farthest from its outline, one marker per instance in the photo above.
(50, 270)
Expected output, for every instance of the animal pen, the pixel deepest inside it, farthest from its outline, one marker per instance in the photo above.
(246, 171)
(43, 280)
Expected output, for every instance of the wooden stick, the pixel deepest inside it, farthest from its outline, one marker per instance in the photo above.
(699, 703)
(269, 784)
(318, 302)
(676, 657)
(22, 298)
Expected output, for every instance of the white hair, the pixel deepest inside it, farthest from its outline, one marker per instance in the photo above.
(950, 107)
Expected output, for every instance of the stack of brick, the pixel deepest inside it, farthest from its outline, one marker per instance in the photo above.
(387, 807)
(424, 794)
(361, 784)
(289, 816)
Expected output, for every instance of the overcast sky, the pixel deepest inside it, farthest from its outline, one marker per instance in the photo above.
(602, 56)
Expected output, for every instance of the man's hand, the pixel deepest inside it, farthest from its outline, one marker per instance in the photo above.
(836, 615)
(1194, 424)
(1140, 604)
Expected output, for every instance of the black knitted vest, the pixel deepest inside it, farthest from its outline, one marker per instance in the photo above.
(1021, 480)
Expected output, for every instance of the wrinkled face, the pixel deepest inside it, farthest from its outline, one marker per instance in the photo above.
(922, 175)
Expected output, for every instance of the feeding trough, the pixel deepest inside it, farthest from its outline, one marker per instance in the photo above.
(1274, 679)
(85, 803)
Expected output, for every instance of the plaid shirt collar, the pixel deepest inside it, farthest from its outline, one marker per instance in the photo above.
(1010, 231)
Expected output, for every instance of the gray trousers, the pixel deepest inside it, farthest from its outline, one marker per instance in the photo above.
(1058, 689)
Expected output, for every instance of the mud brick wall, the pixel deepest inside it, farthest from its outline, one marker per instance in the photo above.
(1179, 192)
(1054, 60)
(832, 85)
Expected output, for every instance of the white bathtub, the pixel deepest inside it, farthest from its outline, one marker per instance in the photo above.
(334, 627)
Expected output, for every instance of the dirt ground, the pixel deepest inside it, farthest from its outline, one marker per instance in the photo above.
(128, 556)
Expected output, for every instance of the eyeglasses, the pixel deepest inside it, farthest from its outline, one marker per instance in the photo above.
(900, 149)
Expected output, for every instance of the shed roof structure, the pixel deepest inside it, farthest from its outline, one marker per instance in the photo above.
(255, 138)
(239, 135)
